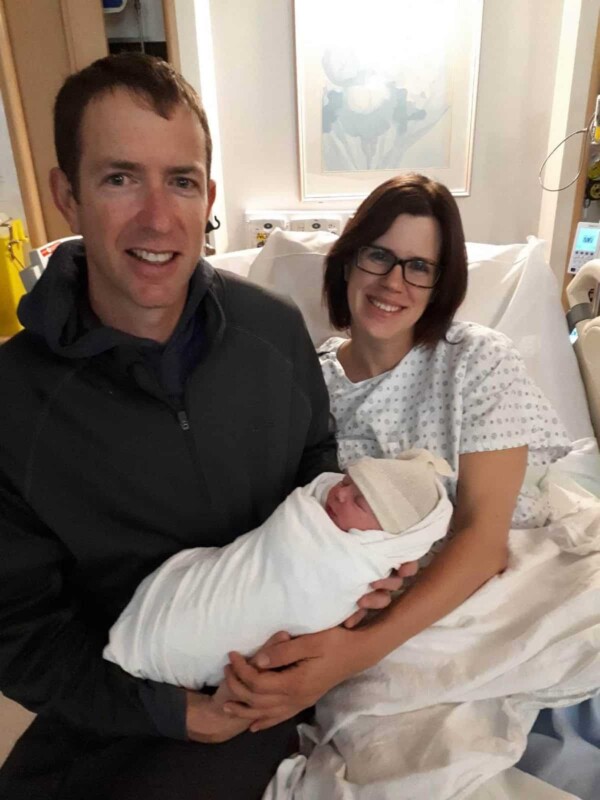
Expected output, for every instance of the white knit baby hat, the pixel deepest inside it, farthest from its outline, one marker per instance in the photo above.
(401, 491)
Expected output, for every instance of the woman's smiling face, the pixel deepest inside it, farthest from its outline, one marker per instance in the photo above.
(385, 307)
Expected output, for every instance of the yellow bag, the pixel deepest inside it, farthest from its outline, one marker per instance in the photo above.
(12, 261)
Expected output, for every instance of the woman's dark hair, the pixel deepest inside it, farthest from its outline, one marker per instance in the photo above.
(421, 197)
(154, 81)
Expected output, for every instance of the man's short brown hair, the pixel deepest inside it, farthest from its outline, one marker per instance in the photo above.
(151, 79)
(421, 197)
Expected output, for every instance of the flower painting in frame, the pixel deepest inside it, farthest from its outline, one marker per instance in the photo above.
(384, 87)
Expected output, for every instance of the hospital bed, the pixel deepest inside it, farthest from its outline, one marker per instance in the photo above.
(512, 289)
(584, 308)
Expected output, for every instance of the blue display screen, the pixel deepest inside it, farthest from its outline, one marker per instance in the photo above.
(587, 239)
(573, 336)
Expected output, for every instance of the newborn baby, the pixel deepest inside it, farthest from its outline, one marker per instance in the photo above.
(295, 572)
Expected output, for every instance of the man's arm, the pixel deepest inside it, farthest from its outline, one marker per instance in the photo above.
(50, 658)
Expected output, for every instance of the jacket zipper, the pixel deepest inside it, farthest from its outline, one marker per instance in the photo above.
(186, 427)
(184, 422)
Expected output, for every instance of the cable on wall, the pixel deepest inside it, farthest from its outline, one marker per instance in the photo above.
(585, 130)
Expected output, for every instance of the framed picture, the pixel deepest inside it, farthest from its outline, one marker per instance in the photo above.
(385, 86)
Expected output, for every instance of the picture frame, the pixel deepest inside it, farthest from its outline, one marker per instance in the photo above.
(385, 87)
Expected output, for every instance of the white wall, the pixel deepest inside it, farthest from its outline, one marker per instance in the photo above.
(255, 74)
(10, 194)
(516, 80)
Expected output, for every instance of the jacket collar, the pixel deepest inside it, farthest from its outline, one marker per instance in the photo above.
(57, 309)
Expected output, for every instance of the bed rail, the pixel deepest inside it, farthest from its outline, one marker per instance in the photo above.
(583, 294)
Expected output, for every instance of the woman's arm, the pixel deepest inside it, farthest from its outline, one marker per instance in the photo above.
(488, 487)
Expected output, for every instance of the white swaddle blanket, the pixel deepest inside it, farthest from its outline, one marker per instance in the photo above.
(296, 572)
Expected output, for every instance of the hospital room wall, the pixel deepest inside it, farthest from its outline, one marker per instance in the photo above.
(255, 75)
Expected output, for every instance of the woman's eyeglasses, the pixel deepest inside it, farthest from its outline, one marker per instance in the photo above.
(380, 261)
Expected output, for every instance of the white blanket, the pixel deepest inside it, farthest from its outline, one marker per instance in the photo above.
(453, 706)
(297, 572)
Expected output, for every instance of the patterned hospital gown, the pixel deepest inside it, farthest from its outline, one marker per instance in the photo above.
(468, 394)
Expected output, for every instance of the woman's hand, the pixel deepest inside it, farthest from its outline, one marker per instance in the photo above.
(315, 664)
(381, 597)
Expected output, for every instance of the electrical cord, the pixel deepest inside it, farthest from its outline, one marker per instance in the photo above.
(137, 4)
(575, 133)
(13, 242)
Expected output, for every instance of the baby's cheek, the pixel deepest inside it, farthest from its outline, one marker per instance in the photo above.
(373, 522)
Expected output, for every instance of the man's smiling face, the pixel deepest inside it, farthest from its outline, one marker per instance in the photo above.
(142, 205)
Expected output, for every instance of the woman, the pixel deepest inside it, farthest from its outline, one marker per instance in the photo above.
(407, 377)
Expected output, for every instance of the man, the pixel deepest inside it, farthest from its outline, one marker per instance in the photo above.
(145, 392)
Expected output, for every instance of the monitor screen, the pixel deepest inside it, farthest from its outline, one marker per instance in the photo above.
(587, 239)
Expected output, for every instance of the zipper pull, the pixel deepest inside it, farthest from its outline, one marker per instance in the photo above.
(183, 420)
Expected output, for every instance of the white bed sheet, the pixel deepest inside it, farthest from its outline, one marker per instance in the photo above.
(513, 784)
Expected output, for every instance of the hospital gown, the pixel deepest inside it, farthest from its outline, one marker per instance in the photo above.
(468, 394)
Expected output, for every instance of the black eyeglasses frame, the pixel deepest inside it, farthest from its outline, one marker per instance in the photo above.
(397, 261)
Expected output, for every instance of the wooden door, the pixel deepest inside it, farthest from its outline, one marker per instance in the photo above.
(41, 43)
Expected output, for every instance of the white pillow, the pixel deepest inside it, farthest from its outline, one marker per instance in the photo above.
(494, 272)
(511, 289)
(238, 262)
(292, 263)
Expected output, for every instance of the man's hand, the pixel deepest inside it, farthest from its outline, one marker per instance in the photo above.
(206, 719)
(265, 695)
(288, 675)
(207, 722)
(381, 596)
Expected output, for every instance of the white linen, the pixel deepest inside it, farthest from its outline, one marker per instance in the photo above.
(237, 261)
(297, 572)
(514, 784)
(468, 394)
(511, 784)
(452, 707)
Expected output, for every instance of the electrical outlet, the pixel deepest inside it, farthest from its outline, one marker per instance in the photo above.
(259, 229)
(327, 222)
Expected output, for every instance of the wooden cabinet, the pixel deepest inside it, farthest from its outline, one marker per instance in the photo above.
(41, 43)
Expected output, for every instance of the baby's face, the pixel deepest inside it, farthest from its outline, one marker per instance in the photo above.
(348, 508)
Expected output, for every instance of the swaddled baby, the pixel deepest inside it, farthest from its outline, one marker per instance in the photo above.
(302, 570)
